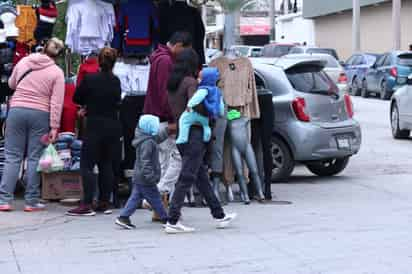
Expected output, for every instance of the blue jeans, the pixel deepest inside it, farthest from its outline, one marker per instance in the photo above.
(140, 192)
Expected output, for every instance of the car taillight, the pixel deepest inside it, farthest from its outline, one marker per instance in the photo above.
(343, 79)
(299, 107)
(349, 105)
(394, 72)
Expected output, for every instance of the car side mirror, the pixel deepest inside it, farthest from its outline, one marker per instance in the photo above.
(342, 63)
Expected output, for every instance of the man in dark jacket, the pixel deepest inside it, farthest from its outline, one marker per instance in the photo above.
(146, 171)
(157, 103)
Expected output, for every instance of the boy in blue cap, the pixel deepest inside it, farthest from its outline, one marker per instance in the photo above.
(146, 171)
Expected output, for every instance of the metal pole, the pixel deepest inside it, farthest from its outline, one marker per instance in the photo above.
(356, 34)
(285, 7)
(272, 17)
(396, 24)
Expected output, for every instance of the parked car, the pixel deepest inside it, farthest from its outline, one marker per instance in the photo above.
(303, 49)
(276, 50)
(212, 54)
(335, 71)
(248, 51)
(401, 110)
(314, 123)
(356, 68)
(383, 76)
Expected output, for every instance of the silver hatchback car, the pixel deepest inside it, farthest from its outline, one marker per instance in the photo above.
(314, 122)
(401, 110)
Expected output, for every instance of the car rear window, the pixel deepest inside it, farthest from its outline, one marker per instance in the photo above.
(311, 79)
(371, 59)
(324, 51)
(405, 60)
(331, 62)
(276, 51)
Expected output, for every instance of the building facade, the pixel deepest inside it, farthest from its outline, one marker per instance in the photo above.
(333, 24)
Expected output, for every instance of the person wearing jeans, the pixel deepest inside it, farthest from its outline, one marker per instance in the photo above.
(35, 111)
(146, 172)
(182, 86)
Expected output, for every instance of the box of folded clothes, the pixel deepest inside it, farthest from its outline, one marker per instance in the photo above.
(62, 185)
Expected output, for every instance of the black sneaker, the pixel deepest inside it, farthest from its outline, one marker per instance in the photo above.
(125, 223)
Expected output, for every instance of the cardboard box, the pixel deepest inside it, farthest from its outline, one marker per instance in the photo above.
(62, 185)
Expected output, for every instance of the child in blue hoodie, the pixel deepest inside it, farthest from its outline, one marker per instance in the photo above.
(146, 171)
(211, 96)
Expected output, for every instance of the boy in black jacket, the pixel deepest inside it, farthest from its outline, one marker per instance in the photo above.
(146, 171)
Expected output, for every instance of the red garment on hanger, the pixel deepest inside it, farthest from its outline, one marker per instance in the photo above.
(22, 50)
(90, 65)
(69, 114)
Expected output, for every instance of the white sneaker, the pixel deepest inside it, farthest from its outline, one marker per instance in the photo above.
(226, 221)
(178, 228)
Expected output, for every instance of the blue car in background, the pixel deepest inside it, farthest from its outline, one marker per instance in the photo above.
(386, 74)
(356, 68)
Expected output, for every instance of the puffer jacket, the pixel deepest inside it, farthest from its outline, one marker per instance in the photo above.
(147, 165)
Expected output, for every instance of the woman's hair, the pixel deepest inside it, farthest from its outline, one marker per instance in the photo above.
(54, 47)
(187, 64)
(107, 59)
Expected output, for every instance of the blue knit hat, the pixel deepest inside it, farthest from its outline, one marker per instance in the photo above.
(149, 124)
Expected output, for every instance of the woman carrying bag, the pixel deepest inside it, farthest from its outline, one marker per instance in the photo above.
(35, 111)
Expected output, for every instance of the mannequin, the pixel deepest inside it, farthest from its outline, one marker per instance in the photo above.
(242, 150)
(9, 20)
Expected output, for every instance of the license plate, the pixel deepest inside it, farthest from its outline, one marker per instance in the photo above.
(343, 143)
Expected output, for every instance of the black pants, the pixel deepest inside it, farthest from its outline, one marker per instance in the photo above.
(130, 112)
(262, 134)
(194, 172)
(100, 147)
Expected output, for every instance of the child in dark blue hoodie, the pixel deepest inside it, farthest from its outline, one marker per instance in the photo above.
(146, 171)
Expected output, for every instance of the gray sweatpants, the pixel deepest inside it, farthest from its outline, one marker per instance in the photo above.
(24, 129)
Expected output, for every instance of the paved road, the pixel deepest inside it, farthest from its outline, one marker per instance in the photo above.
(359, 222)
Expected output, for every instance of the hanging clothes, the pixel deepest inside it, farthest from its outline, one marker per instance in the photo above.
(90, 25)
(180, 17)
(69, 114)
(6, 67)
(238, 85)
(137, 23)
(90, 65)
(47, 16)
(134, 79)
(26, 22)
(21, 50)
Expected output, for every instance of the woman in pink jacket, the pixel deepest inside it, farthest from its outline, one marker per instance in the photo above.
(35, 110)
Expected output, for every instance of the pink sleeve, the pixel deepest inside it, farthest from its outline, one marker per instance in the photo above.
(56, 102)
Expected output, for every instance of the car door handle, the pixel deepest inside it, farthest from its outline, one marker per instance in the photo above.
(335, 117)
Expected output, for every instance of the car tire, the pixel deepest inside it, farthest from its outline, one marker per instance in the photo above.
(329, 167)
(283, 162)
(397, 133)
(364, 91)
(385, 94)
(355, 90)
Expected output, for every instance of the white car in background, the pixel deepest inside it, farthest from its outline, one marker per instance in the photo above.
(401, 109)
(333, 68)
(247, 51)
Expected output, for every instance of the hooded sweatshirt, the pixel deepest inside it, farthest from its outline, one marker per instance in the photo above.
(213, 102)
(156, 102)
(42, 89)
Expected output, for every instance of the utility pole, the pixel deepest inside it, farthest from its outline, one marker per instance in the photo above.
(272, 17)
(356, 34)
(396, 24)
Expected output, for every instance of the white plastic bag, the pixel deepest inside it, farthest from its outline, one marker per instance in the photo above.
(50, 161)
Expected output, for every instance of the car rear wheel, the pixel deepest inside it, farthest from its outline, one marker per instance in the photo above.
(355, 89)
(364, 91)
(329, 167)
(283, 163)
(385, 94)
(397, 133)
